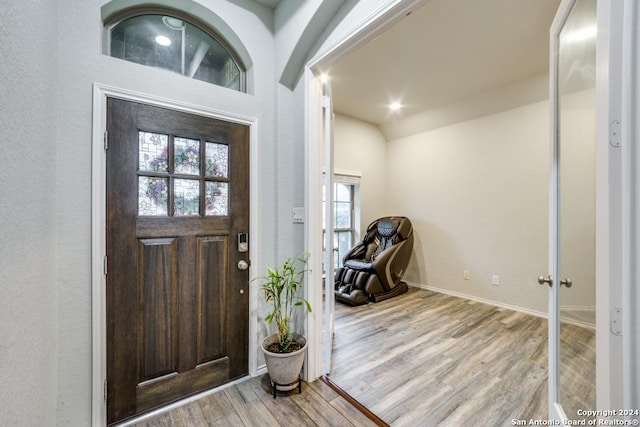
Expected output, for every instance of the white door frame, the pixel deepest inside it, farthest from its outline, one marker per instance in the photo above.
(609, 228)
(370, 27)
(631, 207)
(609, 377)
(98, 233)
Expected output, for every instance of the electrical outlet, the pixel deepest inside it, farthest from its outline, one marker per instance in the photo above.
(495, 280)
(466, 275)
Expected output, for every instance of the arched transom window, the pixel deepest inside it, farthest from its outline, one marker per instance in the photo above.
(172, 43)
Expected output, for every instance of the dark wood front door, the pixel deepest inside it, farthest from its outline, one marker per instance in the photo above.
(177, 303)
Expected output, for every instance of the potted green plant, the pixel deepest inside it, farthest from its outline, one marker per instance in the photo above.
(284, 350)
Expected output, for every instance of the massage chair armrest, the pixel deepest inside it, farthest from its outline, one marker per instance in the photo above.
(357, 252)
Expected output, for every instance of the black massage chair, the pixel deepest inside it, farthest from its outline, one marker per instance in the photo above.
(373, 269)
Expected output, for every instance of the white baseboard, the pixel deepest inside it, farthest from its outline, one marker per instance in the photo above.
(524, 310)
(577, 308)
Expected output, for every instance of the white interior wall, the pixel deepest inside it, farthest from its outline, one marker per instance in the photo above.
(28, 347)
(477, 193)
(360, 147)
(290, 163)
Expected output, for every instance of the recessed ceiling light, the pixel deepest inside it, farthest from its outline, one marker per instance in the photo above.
(324, 78)
(163, 40)
(395, 106)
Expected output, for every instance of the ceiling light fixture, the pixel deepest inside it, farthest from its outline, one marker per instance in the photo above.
(395, 106)
(163, 40)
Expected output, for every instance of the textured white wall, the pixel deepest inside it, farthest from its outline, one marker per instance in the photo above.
(289, 166)
(28, 347)
(359, 146)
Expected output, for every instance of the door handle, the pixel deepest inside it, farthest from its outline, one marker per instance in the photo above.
(243, 265)
(548, 280)
(567, 282)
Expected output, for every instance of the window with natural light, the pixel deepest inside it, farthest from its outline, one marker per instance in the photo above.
(345, 203)
(172, 43)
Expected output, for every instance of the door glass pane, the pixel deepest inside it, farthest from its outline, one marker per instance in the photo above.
(217, 199)
(152, 196)
(576, 139)
(153, 153)
(187, 156)
(186, 197)
(217, 160)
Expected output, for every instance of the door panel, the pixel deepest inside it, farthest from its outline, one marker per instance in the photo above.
(211, 253)
(158, 292)
(177, 305)
(572, 212)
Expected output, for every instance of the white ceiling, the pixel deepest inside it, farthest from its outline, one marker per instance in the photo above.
(444, 52)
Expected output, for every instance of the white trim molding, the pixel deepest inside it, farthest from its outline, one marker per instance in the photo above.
(98, 229)
(631, 206)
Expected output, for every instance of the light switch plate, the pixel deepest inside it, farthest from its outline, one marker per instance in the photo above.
(298, 215)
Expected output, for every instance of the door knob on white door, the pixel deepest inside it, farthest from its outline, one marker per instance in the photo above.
(567, 282)
(548, 280)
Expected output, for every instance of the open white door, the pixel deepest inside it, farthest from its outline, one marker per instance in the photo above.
(572, 101)
(320, 285)
(329, 221)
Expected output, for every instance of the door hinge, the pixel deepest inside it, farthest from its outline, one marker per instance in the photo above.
(326, 102)
(104, 391)
(616, 321)
(104, 265)
(615, 138)
(106, 140)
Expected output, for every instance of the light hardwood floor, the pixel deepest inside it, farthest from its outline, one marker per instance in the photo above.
(429, 359)
(252, 404)
(421, 359)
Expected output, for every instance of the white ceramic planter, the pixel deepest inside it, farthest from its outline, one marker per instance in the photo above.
(284, 368)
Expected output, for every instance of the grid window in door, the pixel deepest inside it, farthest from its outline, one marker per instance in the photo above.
(175, 179)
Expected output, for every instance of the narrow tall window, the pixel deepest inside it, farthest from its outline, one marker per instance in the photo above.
(345, 204)
(172, 43)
